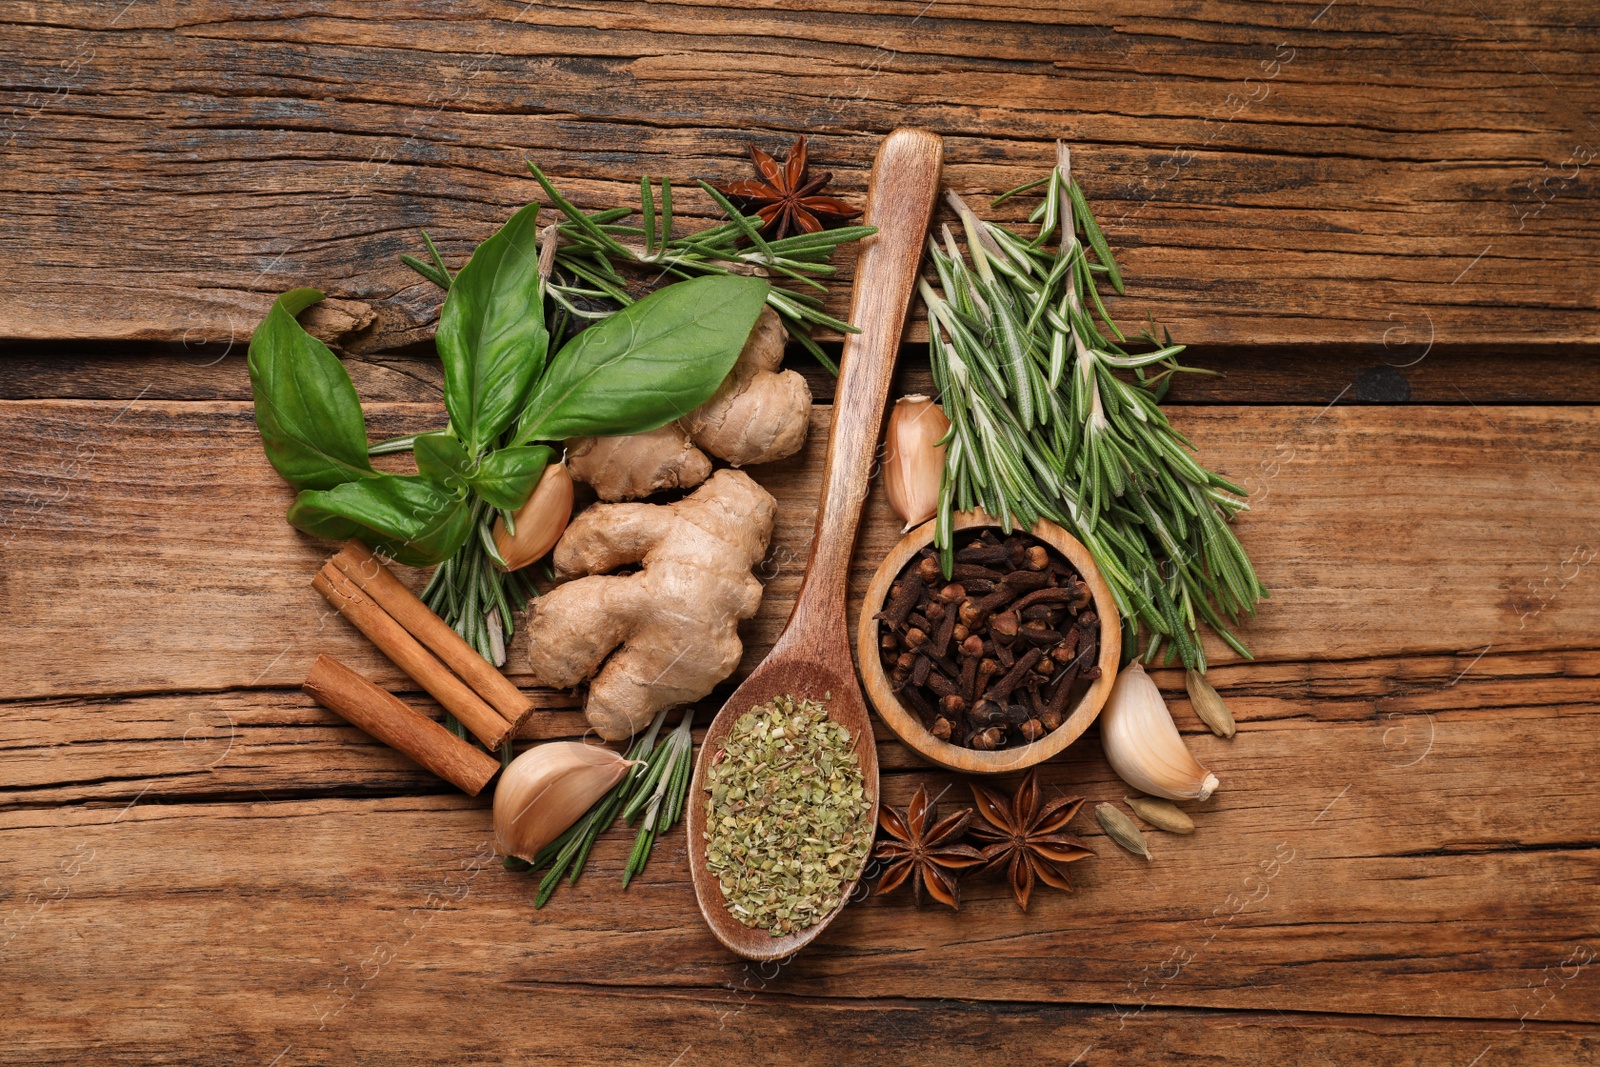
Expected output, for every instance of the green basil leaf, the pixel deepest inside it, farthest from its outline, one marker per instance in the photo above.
(412, 518)
(650, 363)
(491, 337)
(441, 457)
(306, 406)
(505, 477)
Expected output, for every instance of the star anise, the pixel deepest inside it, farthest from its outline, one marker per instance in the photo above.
(924, 853)
(785, 199)
(1025, 835)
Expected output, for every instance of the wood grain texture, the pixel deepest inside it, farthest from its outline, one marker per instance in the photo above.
(1333, 871)
(1428, 758)
(271, 743)
(1273, 173)
(1381, 530)
(351, 1021)
(1414, 371)
(1339, 205)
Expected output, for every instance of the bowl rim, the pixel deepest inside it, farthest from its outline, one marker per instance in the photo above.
(909, 728)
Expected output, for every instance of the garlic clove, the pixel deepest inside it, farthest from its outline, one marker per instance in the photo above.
(540, 521)
(547, 789)
(1143, 745)
(913, 461)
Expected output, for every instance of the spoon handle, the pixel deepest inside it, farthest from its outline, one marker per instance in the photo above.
(905, 183)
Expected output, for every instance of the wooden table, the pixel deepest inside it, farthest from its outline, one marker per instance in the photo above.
(1378, 220)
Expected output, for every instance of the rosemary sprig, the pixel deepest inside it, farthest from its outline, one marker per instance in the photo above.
(660, 795)
(1030, 367)
(595, 247)
(474, 596)
(657, 788)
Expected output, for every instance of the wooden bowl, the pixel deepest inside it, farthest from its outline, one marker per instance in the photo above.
(905, 722)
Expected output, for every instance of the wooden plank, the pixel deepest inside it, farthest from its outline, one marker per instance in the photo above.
(244, 744)
(148, 539)
(1428, 886)
(1411, 369)
(1436, 842)
(607, 1026)
(1271, 174)
(1327, 874)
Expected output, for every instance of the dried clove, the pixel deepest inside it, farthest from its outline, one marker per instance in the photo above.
(993, 656)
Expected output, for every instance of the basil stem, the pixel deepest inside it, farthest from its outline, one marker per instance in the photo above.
(393, 445)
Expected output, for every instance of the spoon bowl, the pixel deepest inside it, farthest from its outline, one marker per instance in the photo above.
(811, 658)
(803, 677)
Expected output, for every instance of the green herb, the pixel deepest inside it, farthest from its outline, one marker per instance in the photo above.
(659, 795)
(655, 789)
(473, 595)
(786, 816)
(410, 517)
(646, 364)
(596, 247)
(505, 477)
(306, 406)
(1043, 424)
(492, 336)
(653, 361)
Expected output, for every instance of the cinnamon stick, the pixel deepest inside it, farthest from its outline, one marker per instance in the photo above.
(378, 582)
(384, 716)
(486, 724)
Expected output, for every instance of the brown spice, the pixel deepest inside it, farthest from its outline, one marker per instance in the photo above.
(407, 653)
(786, 198)
(1026, 837)
(995, 656)
(926, 853)
(398, 725)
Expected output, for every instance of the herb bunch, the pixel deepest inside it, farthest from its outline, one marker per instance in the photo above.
(1044, 424)
(508, 402)
(594, 248)
(582, 260)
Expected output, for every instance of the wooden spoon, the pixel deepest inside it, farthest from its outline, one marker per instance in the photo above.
(811, 658)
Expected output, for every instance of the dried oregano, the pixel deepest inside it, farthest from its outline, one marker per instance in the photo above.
(786, 815)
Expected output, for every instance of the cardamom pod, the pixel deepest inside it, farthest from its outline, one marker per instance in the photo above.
(1162, 814)
(1208, 705)
(1121, 829)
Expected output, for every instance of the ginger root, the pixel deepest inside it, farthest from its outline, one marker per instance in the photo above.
(626, 468)
(676, 620)
(758, 415)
